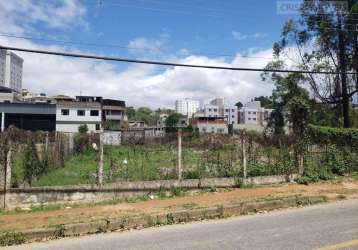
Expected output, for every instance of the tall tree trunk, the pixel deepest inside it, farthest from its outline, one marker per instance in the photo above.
(342, 69)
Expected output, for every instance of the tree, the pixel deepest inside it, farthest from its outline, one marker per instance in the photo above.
(146, 115)
(287, 92)
(239, 105)
(130, 112)
(291, 101)
(325, 40)
(266, 102)
(172, 121)
(83, 128)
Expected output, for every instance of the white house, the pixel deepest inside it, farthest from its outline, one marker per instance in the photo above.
(71, 114)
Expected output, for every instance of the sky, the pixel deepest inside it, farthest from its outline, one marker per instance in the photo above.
(231, 33)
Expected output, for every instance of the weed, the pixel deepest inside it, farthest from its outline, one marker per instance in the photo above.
(189, 205)
(162, 194)
(175, 191)
(59, 231)
(11, 238)
(170, 219)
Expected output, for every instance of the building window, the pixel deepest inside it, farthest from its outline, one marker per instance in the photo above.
(80, 113)
(233, 110)
(94, 113)
(65, 112)
(215, 110)
(226, 110)
(249, 119)
(249, 113)
(233, 116)
(254, 113)
(98, 127)
(209, 110)
(254, 119)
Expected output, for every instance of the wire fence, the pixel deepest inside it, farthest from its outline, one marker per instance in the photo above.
(46, 159)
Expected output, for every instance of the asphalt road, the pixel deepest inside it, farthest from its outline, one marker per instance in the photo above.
(306, 228)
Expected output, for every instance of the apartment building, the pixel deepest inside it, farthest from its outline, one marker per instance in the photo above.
(2, 67)
(217, 108)
(113, 113)
(187, 107)
(11, 70)
(83, 110)
(253, 116)
(205, 125)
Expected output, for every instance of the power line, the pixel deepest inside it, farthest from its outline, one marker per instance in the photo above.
(162, 63)
(122, 46)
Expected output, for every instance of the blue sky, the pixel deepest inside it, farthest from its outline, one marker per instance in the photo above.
(151, 29)
(199, 26)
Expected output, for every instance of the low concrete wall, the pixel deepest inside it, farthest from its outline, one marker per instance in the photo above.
(26, 197)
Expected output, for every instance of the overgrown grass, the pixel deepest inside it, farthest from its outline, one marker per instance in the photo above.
(77, 170)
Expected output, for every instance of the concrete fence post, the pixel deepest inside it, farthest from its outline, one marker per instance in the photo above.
(2, 121)
(100, 165)
(244, 157)
(8, 167)
(179, 170)
(46, 143)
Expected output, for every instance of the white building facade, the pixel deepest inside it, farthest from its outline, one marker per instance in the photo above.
(252, 115)
(70, 115)
(217, 108)
(187, 107)
(2, 67)
(11, 70)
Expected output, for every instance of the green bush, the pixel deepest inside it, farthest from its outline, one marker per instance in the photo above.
(31, 164)
(81, 142)
(313, 174)
(340, 161)
(344, 136)
(11, 238)
(82, 129)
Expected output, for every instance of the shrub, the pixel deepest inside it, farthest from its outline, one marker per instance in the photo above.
(313, 174)
(81, 142)
(344, 136)
(32, 165)
(11, 238)
(82, 129)
(339, 161)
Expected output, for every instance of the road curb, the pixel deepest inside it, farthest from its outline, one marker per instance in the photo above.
(144, 221)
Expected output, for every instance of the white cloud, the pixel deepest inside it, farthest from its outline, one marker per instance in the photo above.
(239, 36)
(19, 15)
(145, 46)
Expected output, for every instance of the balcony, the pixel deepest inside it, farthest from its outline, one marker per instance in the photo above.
(114, 117)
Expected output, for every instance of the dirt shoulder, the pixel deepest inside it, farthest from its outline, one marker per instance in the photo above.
(345, 188)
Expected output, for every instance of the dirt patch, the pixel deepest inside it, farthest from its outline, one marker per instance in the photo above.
(44, 219)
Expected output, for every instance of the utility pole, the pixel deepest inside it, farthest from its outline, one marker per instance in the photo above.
(179, 170)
